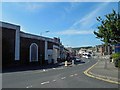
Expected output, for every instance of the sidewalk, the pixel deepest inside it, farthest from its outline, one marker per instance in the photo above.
(109, 74)
(37, 67)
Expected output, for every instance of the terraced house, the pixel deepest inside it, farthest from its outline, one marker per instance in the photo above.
(20, 48)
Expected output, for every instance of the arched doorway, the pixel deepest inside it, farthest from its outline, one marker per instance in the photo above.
(33, 52)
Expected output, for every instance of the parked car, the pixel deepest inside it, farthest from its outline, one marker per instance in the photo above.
(77, 59)
(91, 53)
(86, 55)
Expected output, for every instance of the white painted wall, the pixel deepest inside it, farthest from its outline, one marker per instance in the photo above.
(56, 53)
(17, 37)
(50, 55)
(46, 52)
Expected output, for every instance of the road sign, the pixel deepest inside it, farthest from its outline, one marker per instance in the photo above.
(117, 48)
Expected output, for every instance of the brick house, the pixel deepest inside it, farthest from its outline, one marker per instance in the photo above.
(20, 48)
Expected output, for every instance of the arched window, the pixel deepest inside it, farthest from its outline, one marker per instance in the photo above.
(33, 52)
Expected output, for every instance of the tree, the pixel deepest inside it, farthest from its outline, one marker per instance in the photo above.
(109, 30)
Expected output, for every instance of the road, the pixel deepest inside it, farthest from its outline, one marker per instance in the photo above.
(62, 77)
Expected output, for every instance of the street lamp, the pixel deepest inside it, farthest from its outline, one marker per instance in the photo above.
(44, 32)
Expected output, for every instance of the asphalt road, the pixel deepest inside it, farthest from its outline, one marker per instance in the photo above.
(62, 77)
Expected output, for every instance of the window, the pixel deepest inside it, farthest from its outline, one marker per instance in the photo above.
(33, 52)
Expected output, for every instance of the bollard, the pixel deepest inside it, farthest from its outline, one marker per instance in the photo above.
(66, 63)
(112, 61)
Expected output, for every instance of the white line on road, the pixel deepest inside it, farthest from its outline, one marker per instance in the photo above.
(59, 68)
(71, 75)
(80, 64)
(29, 86)
(63, 77)
(54, 68)
(75, 74)
(44, 70)
(45, 82)
(54, 80)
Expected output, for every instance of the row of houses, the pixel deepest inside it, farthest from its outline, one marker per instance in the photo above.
(20, 48)
(105, 50)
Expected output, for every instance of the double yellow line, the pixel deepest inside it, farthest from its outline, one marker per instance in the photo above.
(86, 72)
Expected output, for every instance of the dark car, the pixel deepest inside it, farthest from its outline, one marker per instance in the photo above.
(77, 59)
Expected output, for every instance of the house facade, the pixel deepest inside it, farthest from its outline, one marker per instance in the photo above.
(104, 50)
(20, 48)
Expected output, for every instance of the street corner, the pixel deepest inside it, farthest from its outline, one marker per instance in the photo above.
(89, 73)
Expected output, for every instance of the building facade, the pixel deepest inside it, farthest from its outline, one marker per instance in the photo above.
(104, 50)
(20, 48)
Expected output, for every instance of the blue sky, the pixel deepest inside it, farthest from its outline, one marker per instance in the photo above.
(73, 22)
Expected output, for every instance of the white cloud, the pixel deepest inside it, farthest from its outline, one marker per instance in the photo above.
(29, 6)
(72, 6)
(83, 26)
(75, 32)
(89, 20)
(33, 6)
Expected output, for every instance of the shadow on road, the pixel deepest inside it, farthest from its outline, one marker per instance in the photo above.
(81, 62)
(30, 67)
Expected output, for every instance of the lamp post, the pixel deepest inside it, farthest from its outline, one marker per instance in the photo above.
(44, 32)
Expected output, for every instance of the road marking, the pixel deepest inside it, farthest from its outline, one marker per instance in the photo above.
(63, 77)
(75, 74)
(29, 86)
(54, 68)
(54, 80)
(87, 62)
(45, 82)
(86, 72)
(80, 64)
(44, 70)
(71, 75)
(59, 68)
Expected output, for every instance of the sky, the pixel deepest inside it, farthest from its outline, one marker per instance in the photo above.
(72, 22)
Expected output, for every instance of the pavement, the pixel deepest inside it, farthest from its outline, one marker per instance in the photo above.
(32, 67)
(38, 67)
(108, 73)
